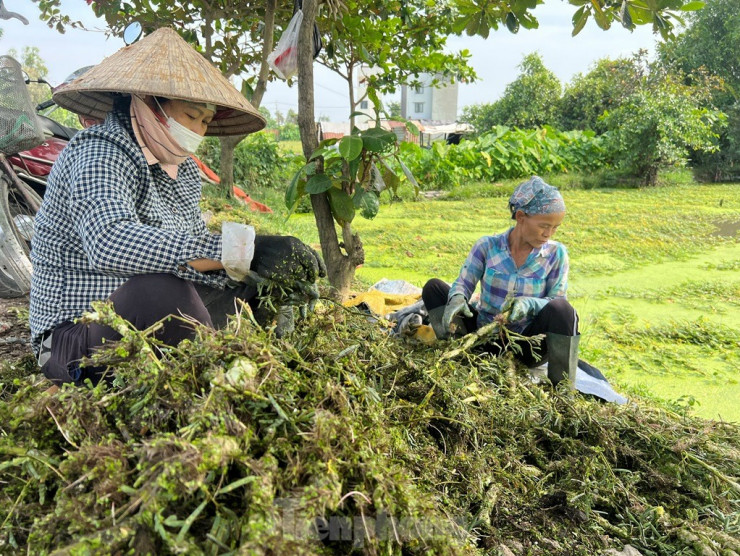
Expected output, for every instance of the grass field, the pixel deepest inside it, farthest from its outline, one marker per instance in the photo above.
(654, 275)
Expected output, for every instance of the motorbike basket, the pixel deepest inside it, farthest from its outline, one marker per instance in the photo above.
(20, 128)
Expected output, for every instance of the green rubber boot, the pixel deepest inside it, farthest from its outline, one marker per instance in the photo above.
(562, 358)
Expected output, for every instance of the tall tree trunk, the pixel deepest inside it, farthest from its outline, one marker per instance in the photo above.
(340, 266)
(352, 104)
(226, 167)
(228, 144)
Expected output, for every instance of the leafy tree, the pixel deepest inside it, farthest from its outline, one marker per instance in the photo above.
(397, 40)
(531, 100)
(291, 117)
(711, 42)
(478, 17)
(35, 67)
(663, 118)
(271, 123)
(603, 88)
(473, 17)
(480, 116)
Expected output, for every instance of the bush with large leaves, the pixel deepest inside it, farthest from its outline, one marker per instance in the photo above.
(352, 171)
(661, 121)
(504, 153)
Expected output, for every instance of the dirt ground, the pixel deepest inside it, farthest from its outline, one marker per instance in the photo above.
(15, 336)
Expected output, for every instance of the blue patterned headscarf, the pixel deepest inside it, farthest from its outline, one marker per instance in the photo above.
(536, 197)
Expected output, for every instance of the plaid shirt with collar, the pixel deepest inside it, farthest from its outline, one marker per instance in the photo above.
(107, 215)
(544, 274)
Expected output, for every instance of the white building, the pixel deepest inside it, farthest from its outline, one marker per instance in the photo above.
(365, 106)
(421, 102)
(427, 102)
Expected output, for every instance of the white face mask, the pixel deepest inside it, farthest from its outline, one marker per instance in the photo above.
(186, 138)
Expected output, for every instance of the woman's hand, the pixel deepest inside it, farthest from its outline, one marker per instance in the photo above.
(456, 305)
(520, 308)
(286, 260)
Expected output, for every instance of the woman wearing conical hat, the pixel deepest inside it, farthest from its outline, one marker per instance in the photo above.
(121, 219)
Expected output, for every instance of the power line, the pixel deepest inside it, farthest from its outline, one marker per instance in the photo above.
(343, 95)
(295, 105)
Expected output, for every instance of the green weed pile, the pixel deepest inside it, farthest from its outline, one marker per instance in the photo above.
(340, 438)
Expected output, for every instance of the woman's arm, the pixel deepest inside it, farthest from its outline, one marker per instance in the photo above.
(102, 207)
(205, 265)
(472, 270)
(557, 279)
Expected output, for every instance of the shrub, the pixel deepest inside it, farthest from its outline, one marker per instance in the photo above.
(504, 153)
(658, 125)
(258, 162)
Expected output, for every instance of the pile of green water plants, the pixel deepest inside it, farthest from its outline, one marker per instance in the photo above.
(341, 437)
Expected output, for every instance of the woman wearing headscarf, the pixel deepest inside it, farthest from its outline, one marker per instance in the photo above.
(121, 219)
(521, 270)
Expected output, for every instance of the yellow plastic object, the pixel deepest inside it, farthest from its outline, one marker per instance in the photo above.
(425, 334)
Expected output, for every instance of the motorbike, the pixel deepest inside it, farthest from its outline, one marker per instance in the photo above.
(20, 130)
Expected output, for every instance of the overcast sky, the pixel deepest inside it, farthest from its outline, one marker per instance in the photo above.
(495, 59)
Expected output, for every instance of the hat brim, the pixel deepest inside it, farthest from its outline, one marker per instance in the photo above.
(162, 64)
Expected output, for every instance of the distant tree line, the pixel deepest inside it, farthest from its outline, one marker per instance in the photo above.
(681, 108)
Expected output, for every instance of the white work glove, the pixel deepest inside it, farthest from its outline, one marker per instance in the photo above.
(237, 249)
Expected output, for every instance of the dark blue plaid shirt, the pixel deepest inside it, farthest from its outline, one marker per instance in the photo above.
(107, 215)
(544, 274)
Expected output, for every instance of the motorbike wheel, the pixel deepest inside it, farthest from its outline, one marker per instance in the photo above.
(18, 206)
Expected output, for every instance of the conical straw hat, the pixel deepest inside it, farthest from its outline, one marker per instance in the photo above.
(161, 64)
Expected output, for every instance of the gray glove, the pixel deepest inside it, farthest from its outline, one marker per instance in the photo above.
(523, 307)
(456, 305)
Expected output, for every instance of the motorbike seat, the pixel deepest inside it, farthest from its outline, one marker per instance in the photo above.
(55, 129)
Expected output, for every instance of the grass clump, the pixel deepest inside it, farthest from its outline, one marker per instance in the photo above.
(340, 438)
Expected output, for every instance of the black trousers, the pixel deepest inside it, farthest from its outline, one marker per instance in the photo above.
(143, 301)
(558, 316)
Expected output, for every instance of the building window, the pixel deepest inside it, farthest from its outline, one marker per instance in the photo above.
(418, 107)
(419, 89)
(363, 105)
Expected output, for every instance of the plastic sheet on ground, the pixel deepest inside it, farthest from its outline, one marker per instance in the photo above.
(586, 382)
(401, 287)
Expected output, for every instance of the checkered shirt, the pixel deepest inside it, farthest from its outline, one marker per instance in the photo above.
(544, 274)
(107, 216)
